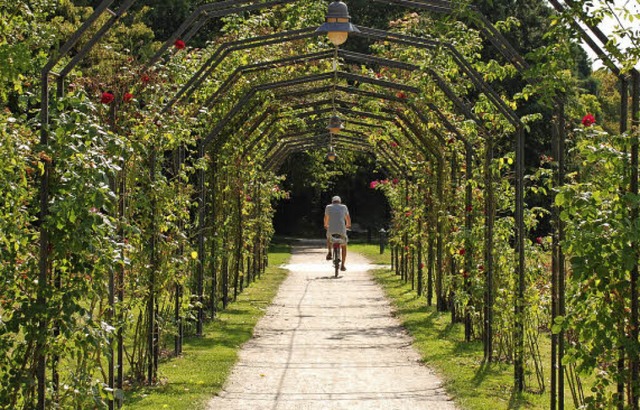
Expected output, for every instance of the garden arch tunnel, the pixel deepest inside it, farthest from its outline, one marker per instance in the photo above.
(381, 83)
(228, 7)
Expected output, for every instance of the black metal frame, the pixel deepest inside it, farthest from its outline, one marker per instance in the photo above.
(206, 12)
(463, 108)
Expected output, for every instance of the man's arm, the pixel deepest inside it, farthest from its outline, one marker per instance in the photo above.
(347, 219)
(326, 221)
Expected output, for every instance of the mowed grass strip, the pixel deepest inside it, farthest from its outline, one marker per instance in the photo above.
(189, 381)
(473, 384)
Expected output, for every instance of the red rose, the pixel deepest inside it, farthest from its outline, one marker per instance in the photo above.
(401, 94)
(179, 44)
(469, 208)
(107, 98)
(373, 184)
(451, 140)
(248, 198)
(465, 274)
(408, 213)
(462, 251)
(394, 144)
(588, 120)
(421, 266)
(539, 240)
(145, 78)
(395, 181)
(481, 268)
(127, 97)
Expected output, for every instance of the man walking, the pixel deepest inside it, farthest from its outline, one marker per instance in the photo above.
(337, 220)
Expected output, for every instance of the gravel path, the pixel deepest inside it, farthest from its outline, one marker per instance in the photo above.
(329, 343)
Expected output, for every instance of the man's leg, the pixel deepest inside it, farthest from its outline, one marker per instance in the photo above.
(344, 255)
(329, 257)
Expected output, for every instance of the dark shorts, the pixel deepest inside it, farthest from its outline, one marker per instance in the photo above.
(345, 238)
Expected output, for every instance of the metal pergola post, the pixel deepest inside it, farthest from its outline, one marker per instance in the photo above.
(201, 256)
(208, 11)
(489, 211)
(633, 353)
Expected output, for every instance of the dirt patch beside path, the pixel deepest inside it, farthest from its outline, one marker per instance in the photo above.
(329, 343)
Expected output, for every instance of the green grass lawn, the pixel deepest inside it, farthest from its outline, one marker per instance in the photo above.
(472, 384)
(189, 381)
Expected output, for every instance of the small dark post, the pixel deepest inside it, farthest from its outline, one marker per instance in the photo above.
(383, 239)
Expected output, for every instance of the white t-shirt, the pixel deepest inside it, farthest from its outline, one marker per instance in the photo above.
(337, 214)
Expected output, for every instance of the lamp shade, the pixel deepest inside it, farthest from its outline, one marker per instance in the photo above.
(335, 125)
(331, 154)
(337, 23)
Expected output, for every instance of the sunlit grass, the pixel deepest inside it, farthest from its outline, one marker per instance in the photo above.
(472, 384)
(189, 381)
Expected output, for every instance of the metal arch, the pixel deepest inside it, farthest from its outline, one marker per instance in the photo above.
(316, 139)
(277, 161)
(274, 119)
(344, 111)
(299, 80)
(371, 115)
(347, 55)
(589, 40)
(300, 134)
(473, 75)
(434, 5)
(321, 133)
(306, 142)
(486, 27)
(457, 102)
(389, 62)
(387, 162)
(94, 39)
(323, 137)
(419, 42)
(221, 52)
(209, 11)
(450, 127)
(367, 93)
(392, 120)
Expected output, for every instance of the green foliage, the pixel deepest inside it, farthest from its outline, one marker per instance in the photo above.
(191, 380)
(471, 383)
(600, 229)
(124, 188)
